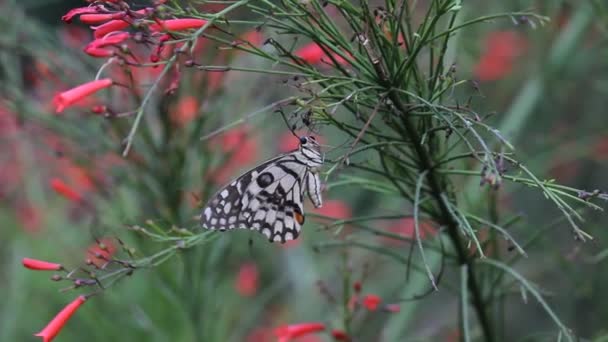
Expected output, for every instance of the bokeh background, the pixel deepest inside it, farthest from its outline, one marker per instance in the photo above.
(553, 77)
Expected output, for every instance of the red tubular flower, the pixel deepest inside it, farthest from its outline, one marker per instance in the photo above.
(371, 302)
(77, 11)
(286, 333)
(340, 335)
(69, 97)
(100, 53)
(247, 280)
(39, 265)
(56, 324)
(110, 26)
(65, 190)
(100, 18)
(313, 54)
(177, 24)
(111, 39)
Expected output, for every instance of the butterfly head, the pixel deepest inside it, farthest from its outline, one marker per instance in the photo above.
(311, 149)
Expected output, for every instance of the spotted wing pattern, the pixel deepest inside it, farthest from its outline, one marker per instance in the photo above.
(269, 197)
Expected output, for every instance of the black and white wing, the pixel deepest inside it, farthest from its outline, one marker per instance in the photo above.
(269, 197)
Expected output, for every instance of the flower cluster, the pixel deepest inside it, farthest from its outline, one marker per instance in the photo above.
(101, 266)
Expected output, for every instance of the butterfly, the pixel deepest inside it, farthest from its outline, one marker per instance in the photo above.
(268, 198)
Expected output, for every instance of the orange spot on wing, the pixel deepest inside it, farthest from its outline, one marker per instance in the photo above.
(299, 218)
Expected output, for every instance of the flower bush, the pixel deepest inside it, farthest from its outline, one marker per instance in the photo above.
(439, 214)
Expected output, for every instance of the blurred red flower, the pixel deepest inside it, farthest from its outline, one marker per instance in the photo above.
(100, 252)
(340, 335)
(335, 209)
(313, 54)
(405, 228)
(289, 142)
(69, 97)
(40, 265)
(287, 333)
(185, 110)
(61, 188)
(501, 49)
(56, 324)
(242, 149)
(247, 280)
(29, 217)
(371, 302)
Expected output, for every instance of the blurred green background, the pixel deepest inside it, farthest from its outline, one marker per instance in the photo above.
(554, 77)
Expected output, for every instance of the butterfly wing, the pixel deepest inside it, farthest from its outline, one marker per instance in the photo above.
(272, 204)
(267, 198)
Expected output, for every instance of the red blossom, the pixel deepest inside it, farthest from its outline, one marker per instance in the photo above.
(177, 24)
(247, 280)
(313, 54)
(501, 50)
(61, 188)
(100, 18)
(56, 324)
(69, 97)
(289, 332)
(289, 142)
(371, 302)
(340, 335)
(185, 110)
(335, 209)
(110, 26)
(77, 11)
(100, 252)
(39, 265)
(99, 53)
(243, 150)
(110, 39)
(30, 217)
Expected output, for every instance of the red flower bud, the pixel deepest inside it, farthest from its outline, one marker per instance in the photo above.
(357, 286)
(371, 302)
(177, 24)
(69, 97)
(111, 39)
(340, 335)
(77, 11)
(110, 26)
(100, 18)
(39, 265)
(56, 324)
(65, 190)
(247, 281)
(286, 333)
(96, 52)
